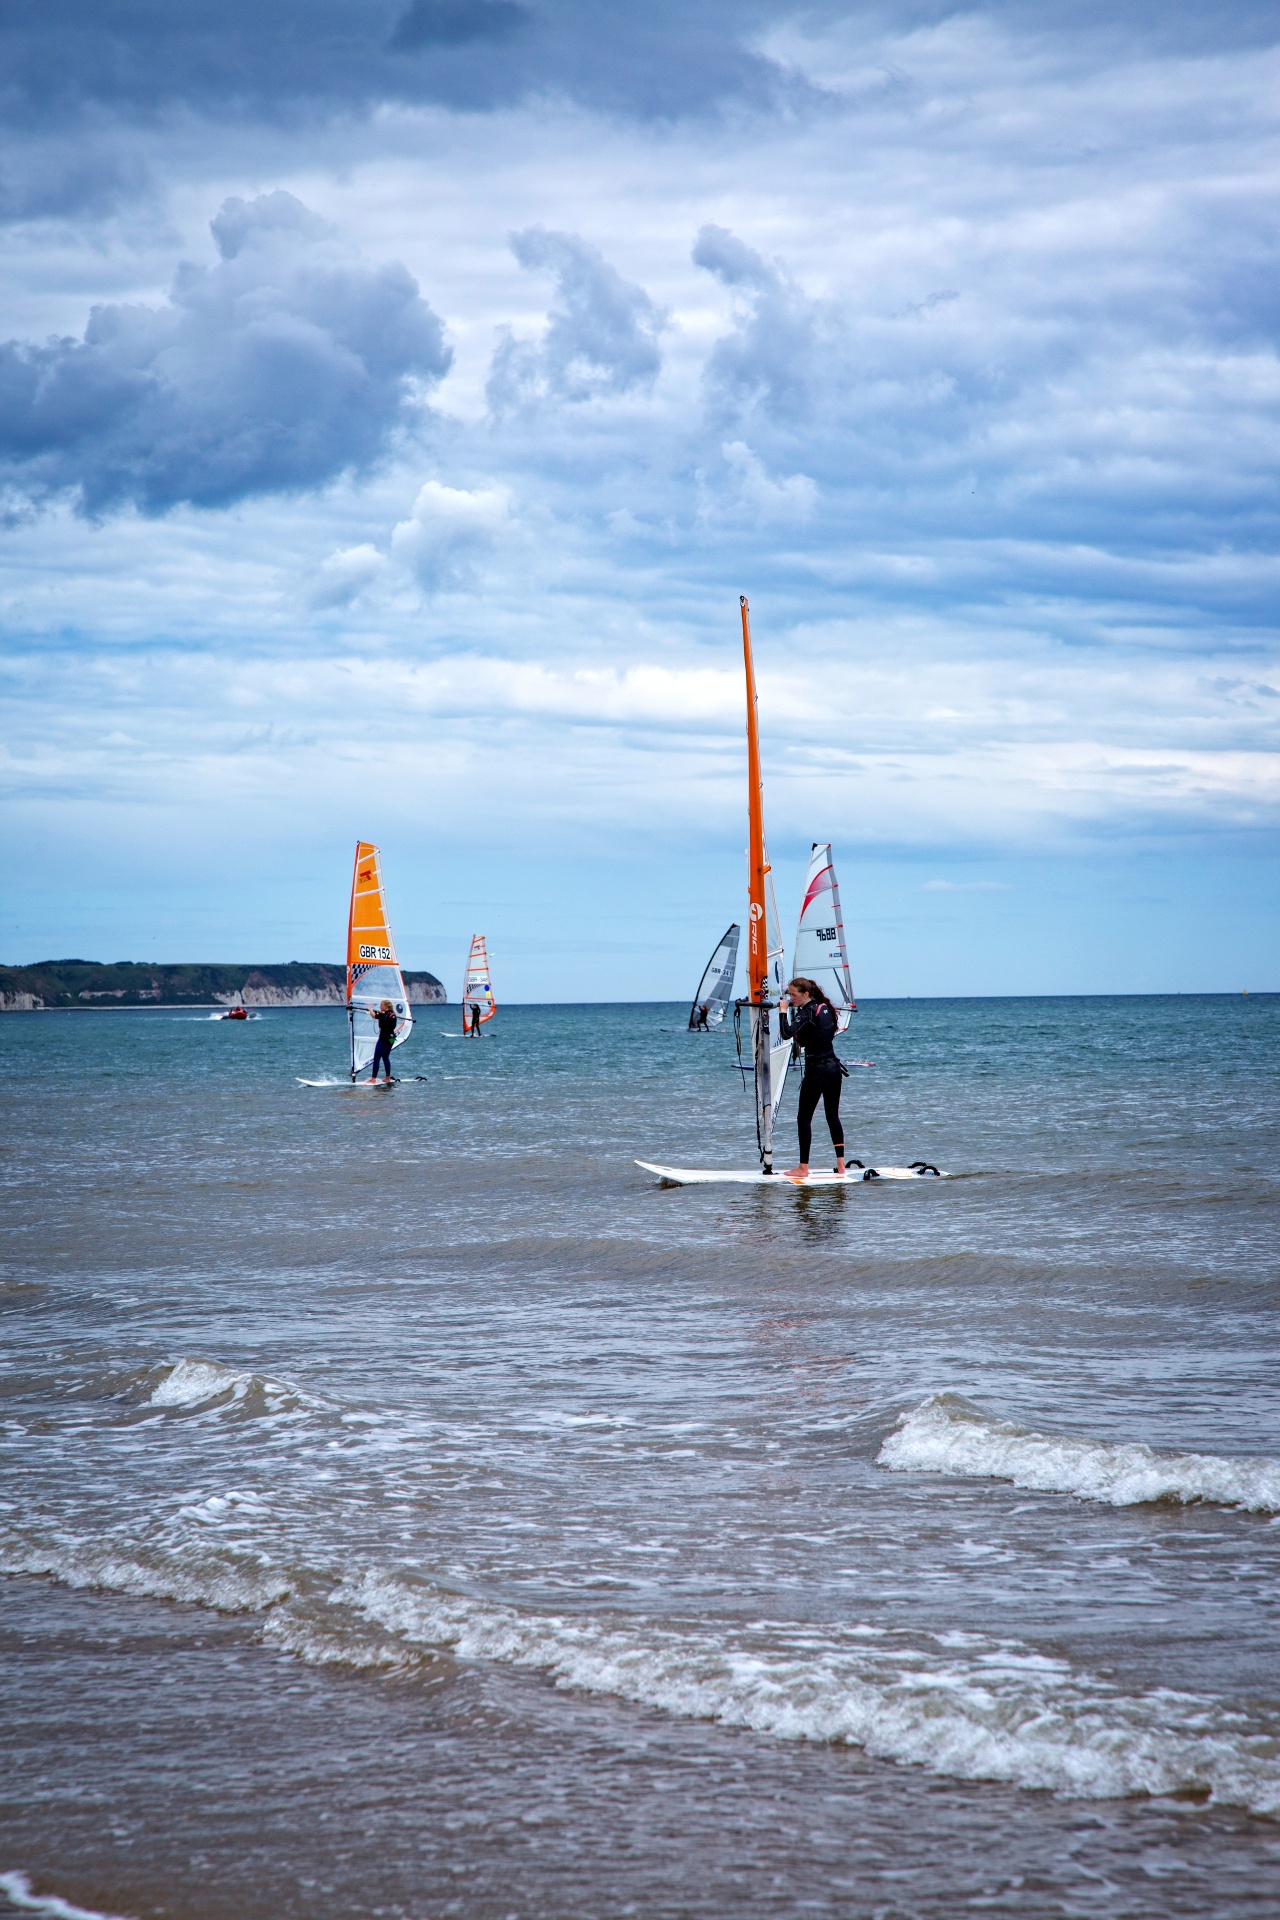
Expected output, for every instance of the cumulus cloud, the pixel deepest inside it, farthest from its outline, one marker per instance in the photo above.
(448, 531)
(289, 362)
(766, 499)
(345, 575)
(602, 331)
(972, 385)
(768, 359)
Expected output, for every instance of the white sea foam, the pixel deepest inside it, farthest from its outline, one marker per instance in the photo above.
(18, 1889)
(957, 1704)
(228, 1580)
(949, 1434)
(199, 1383)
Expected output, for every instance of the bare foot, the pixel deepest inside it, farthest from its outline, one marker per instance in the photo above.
(840, 1163)
(796, 1173)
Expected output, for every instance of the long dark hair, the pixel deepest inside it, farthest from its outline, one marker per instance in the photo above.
(812, 988)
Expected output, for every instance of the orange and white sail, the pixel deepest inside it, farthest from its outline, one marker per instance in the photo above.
(477, 985)
(373, 971)
(766, 965)
(820, 952)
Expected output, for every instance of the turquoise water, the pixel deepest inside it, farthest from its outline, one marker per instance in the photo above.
(611, 1547)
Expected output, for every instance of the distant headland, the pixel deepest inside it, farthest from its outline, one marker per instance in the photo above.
(136, 983)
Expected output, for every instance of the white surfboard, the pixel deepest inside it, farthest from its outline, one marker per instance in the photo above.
(351, 1086)
(822, 1177)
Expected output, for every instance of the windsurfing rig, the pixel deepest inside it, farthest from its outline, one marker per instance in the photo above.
(373, 970)
(820, 953)
(477, 984)
(715, 989)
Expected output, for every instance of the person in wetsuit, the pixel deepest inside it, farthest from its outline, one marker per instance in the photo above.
(475, 1019)
(813, 1029)
(386, 1019)
(700, 1025)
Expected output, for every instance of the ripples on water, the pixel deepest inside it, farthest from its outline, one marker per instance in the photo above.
(614, 1548)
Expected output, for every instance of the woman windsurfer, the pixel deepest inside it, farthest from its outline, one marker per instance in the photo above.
(813, 1028)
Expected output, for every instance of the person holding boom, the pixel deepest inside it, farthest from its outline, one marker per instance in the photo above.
(813, 1028)
(385, 1015)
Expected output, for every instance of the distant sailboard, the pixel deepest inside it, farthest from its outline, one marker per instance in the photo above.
(715, 989)
(373, 971)
(477, 985)
(820, 952)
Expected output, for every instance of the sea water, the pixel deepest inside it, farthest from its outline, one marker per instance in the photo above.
(411, 1508)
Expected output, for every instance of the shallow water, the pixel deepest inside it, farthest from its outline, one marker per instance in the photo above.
(448, 1519)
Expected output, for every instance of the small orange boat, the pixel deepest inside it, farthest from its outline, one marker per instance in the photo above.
(236, 1013)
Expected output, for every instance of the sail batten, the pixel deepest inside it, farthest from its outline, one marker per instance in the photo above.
(820, 950)
(373, 969)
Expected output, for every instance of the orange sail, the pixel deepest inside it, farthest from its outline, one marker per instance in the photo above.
(373, 971)
(771, 1049)
(757, 857)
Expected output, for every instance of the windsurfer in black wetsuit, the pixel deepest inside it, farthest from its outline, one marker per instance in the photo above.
(700, 1024)
(385, 1015)
(813, 1028)
(474, 1028)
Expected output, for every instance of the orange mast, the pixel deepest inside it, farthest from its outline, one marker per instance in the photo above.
(757, 859)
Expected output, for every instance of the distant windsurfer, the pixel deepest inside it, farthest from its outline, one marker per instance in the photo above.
(385, 1015)
(813, 1028)
(700, 1025)
(474, 1027)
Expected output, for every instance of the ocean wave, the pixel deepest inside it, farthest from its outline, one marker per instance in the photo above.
(949, 1434)
(226, 1580)
(17, 1888)
(956, 1704)
(200, 1385)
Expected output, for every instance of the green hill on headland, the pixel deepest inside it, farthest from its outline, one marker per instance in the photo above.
(137, 983)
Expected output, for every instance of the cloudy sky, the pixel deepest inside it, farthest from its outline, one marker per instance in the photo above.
(396, 395)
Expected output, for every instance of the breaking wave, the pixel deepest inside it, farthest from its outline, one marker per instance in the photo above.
(949, 1434)
(960, 1704)
(17, 1888)
(197, 1385)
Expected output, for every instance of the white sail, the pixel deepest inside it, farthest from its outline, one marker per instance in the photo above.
(771, 1015)
(820, 952)
(779, 1043)
(715, 989)
(477, 986)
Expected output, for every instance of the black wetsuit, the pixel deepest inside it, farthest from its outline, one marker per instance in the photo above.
(813, 1028)
(386, 1035)
(475, 1017)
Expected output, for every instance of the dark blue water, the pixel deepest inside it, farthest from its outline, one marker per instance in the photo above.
(410, 1507)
